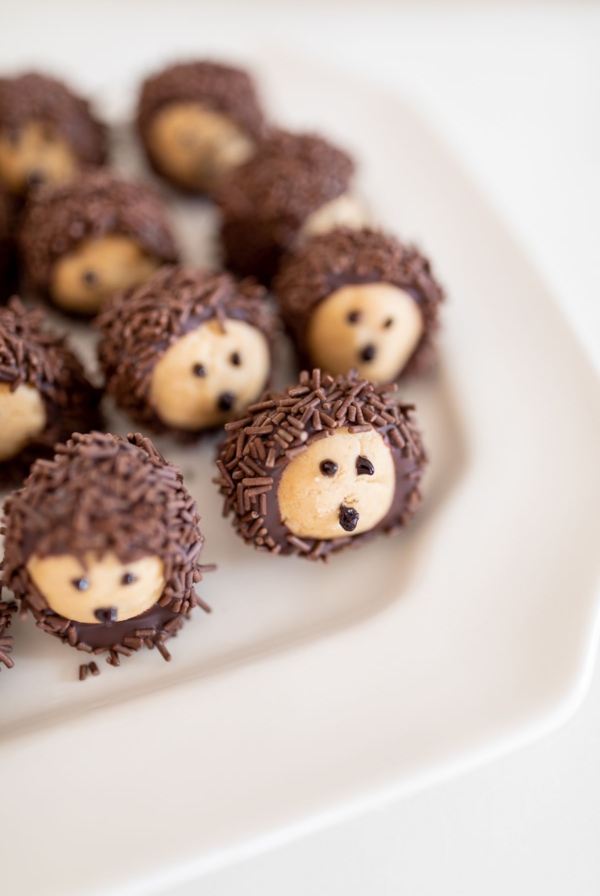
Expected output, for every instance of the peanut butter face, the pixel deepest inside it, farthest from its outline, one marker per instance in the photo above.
(33, 155)
(22, 418)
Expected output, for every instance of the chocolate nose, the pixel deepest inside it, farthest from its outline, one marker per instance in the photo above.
(226, 401)
(106, 615)
(35, 178)
(348, 518)
(368, 352)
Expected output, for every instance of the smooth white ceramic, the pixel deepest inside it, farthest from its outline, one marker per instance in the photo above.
(312, 691)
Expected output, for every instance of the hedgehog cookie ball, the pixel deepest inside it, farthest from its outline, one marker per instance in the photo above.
(188, 351)
(293, 187)
(110, 559)
(44, 394)
(360, 299)
(198, 120)
(321, 466)
(85, 240)
(47, 133)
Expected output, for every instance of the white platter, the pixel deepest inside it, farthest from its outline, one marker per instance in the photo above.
(314, 691)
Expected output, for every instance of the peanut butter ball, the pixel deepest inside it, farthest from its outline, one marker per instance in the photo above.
(321, 466)
(85, 240)
(110, 559)
(360, 299)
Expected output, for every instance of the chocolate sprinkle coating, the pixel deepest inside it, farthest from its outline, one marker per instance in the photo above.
(7, 608)
(35, 97)
(280, 426)
(140, 324)
(94, 204)
(265, 201)
(219, 88)
(345, 256)
(30, 354)
(103, 493)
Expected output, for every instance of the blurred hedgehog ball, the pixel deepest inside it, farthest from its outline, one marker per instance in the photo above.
(321, 466)
(45, 395)
(198, 120)
(47, 133)
(295, 186)
(5, 248)
(83, 241)
(360, 299)
(188, 350)
(109, 559)
(6, 642)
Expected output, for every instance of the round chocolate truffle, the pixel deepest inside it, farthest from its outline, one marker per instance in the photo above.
(321, 466)
(294, 186)
(198, 120)
(47, 133)
(7, 608)
(83, 241)
(188, 350)
(44, 393)
(109, 559)
(360, 299)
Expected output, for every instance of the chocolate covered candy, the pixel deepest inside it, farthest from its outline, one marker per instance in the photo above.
(294, 186)
(85, 240)
(188, 350)
(360, 299)
(321, 466)
(109, 560)
(47, 133)
(44, 392)
(197, 121)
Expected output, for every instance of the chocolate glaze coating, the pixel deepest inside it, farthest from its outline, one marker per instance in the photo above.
(265, 201)
(58, 218)
(219, 88)
(37, 97)
(103, 493)
(141, 323)
(282, 425)
(343, 257)
(7, 608)
(30, 354)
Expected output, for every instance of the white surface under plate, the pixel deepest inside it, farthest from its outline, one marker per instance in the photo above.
(314, 690)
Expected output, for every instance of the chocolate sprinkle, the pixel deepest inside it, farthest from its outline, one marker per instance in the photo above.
(30, 354)
(343, 257)
(92, 205)
(284, 424)
(35, 97)
(140, 324)
(265, 201)
(219, 88)
(103, 493)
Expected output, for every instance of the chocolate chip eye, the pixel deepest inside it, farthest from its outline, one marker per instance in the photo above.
(364, 467)
(353, 317)
(329, 468)
(128, 578)
(388, 323)
(90, 278)
(47, 134)
(80, 584)
(14, 137)
(236, 359)
(199, 370)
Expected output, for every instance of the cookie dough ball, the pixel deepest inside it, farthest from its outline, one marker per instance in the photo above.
(197, 121)
(85, 240)
(321, 466)
(187, 351)
(109, 560)
(47, 133)
(295, 185)
(44, 392)
(360, 299)
(6, 642)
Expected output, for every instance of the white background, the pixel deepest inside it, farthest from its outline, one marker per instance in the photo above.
(514, 89)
